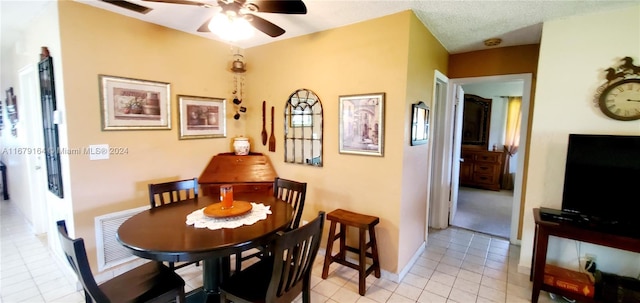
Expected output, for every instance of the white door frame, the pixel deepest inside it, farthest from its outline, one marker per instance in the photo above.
(30, 95)
(440, 206)
(441, 147)
(458, 109)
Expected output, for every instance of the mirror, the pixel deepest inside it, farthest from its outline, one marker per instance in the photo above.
(419, 123)
(475, 122)
(303, 128)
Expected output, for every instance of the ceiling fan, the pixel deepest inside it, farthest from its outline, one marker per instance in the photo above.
(242, 9)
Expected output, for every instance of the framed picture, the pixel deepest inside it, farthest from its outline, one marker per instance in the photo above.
(362, 124)
(419, 123)
(202, 117)
(131, 104)
(12, 111)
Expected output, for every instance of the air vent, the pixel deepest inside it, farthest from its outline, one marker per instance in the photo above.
(130, 6)
(110, 251)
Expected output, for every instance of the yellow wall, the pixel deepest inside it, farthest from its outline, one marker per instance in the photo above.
(498, 61)
(425, 55)
(99, 42)
(367, 57)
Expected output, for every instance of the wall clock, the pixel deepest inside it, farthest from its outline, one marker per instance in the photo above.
(619, 97)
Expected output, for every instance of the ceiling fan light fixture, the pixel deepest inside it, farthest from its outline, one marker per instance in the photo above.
(230, 27)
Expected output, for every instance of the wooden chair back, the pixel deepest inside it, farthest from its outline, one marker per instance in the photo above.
(170, 192)
(294, 193)
(150, 282)
(294, 253)
(283, 274)
(76, 255)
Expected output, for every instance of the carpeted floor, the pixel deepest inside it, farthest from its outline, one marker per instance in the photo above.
(484, 211)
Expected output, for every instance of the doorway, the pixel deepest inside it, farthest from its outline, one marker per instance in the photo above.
(484, 205)
(444, 205)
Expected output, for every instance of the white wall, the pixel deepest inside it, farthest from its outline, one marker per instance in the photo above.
(573, 55)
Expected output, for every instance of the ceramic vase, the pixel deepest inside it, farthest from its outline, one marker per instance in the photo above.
(241, 146)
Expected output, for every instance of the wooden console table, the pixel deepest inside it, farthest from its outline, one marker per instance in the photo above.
(567, 230)
(247, 173)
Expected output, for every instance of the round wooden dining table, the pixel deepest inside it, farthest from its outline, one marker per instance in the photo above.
(162, 234)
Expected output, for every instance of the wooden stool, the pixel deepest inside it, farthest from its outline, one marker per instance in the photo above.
(363, 223)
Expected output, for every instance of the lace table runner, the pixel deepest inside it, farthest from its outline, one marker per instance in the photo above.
(199, 220)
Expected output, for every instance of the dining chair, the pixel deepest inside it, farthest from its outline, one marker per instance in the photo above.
(294, 193)
(161, 194)
(290, 191)
(151, 282)
(284, 273)
(169, 192)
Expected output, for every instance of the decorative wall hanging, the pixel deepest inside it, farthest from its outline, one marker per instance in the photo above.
(272, 137)
(51, 140)
(303, 128)
(238, 68)
(202, 117)
(132, 104)
(619, 97)
(362, 124)
(12, 111)
(419, 123)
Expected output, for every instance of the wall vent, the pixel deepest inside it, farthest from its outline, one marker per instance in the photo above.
(110, 251)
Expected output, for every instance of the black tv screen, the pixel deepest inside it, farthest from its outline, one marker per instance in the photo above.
(602, 178)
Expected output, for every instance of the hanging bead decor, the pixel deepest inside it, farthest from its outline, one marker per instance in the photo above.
(238, 68)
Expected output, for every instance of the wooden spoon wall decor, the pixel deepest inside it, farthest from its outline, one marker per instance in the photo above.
(272, 138)
(264, 123)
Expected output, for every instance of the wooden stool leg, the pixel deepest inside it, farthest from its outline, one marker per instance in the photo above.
(343, 245)
(374, 251)
(362, 267)
(329, 248)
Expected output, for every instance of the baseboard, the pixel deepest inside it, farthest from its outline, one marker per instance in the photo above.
(395, 277)
(524, 268)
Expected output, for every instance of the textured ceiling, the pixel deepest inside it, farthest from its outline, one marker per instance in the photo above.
(460, 25)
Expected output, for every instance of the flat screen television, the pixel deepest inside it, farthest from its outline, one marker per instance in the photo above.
(602, 180)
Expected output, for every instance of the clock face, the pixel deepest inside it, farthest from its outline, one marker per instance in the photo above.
(621, 100)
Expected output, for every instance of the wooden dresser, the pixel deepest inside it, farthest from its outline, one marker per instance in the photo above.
(481, 168)
(250, 173)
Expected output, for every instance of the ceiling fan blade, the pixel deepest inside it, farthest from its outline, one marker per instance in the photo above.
(187, 2)
(204, 28)
(130, 6)
(280, 6)
(265, 26)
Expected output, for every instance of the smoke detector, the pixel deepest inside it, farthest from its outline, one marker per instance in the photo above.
(492, 42)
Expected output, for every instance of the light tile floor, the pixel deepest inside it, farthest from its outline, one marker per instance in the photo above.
(457, 266)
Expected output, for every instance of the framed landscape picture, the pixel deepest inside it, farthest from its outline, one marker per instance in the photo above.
(132, 104)
(362, 124)
(202, 117)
